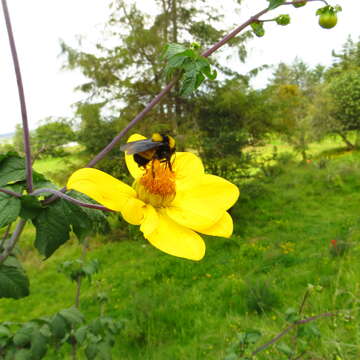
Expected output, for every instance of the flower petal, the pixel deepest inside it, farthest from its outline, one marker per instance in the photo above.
(102, 187)
(203, 204)
(131, 164)
(187, 167)
(224, 227)
(176, 240)
(151, 220)
(133, 211)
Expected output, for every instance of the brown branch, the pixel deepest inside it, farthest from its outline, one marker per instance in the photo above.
(13, 240)
(70, 199)
(10, 192)
(289, 328)
(5, 236)
(28, 165)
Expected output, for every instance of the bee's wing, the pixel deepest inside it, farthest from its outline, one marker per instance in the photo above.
(135, 147)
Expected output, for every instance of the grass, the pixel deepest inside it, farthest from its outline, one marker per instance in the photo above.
(177, 309)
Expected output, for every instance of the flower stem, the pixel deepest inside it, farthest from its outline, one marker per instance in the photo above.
(69, 198)
(29, 179)
(13, 240)
(10, 192)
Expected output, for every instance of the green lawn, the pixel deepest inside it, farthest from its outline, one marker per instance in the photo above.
(177, 309)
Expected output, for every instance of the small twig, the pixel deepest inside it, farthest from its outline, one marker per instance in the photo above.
(69, 198)
(29, 179)
(289, 328)
(300, 1)
(300, 356)
(6, 234)
(10, 192)
(306, 295)
(79, 278)
(13, 240)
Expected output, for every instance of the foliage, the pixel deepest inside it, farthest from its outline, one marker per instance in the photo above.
(292, 207)
(36, 338)
(193, 67)
(50, 137)
(126, 75)
(230, 118)
(47, 139)
(53, 222)
(345, 96)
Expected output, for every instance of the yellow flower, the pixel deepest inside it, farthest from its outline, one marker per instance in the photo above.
(171, 207)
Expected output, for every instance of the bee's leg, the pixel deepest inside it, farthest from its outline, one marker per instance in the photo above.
(152, 169)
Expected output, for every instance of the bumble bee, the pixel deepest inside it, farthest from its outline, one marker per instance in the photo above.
(160, 147)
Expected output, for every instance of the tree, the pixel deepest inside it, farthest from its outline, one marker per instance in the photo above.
(231, 117)
(125, 76)
(344, 91)
(291, 91)
(47, 139)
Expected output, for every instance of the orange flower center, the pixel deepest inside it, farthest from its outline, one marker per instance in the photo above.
(157, 185)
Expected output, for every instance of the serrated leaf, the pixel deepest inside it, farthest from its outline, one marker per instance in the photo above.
(72, 316)
(258, 28)
(252, 336)
(9, 209)
(104, 351)
(275, 3)
(173, 49)
(58, 326)
(52, 228)
(23, 354)
(40, 181)
(285, 349)
(13, 282)
(38, 344)
(4, 331)
(30, 207)
(91, 351)
(12, 169)
(23, 336)
(80, 334)
(86, 220)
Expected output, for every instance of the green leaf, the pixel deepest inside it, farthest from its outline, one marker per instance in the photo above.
(86, 220)
(285, 349)
(40, 181)
(104, 351)
(23, 354)
(275, 3)
(91, 351)
(38, 344)
(52, 227)
(258, 28)
(30, 207)
(4, 331)
(58, 326)
(80, 334)
(12, 169)
(173, 49)
(13, 282)
(9, 209)
(23, 336)
(72, 316)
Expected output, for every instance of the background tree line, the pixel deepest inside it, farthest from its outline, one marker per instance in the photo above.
(300, 104)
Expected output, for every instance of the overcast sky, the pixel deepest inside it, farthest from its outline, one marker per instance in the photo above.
(39, 24)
